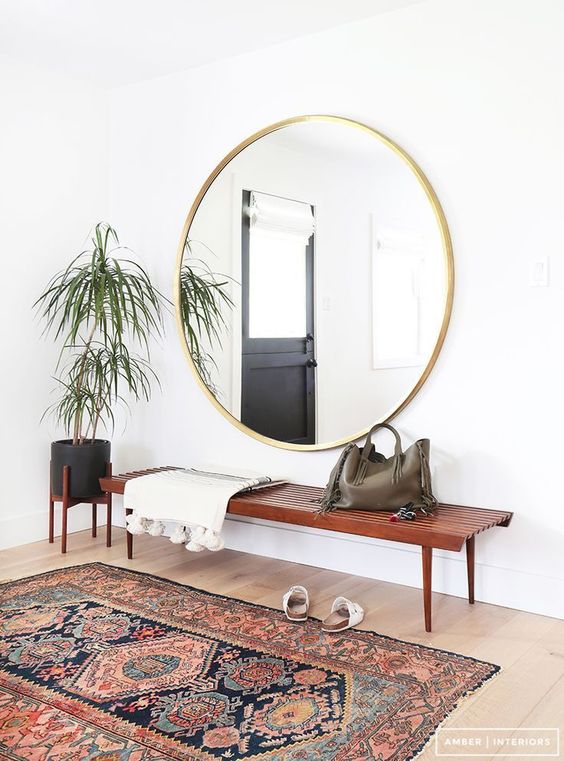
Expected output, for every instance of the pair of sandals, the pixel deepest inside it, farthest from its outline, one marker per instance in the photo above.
(344, 613)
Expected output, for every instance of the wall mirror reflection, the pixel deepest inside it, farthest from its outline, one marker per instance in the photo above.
(324, 270)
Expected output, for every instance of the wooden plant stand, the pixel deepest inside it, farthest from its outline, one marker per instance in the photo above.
(68, 502)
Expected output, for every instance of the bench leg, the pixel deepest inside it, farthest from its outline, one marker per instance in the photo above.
(470, 568)
(129, 536)
(94, 518)
(427, 557)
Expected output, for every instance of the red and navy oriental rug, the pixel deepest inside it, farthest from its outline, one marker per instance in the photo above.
(100, 663)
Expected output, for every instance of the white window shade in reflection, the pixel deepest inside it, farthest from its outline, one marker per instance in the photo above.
(398, 261)
(280, 230)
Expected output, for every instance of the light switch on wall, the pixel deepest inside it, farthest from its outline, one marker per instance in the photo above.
(539, 272)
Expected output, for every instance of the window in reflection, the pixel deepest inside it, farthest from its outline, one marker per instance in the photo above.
(280, 230)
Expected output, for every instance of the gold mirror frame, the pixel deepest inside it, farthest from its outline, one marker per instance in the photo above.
(448, 260)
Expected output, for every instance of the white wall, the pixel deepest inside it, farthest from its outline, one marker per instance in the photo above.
(472, 90)
(53, 188)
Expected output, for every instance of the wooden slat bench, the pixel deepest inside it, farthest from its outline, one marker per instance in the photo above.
(451, 528)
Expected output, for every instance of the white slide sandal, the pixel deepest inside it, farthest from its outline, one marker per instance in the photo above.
(296, 603)
(344, 615)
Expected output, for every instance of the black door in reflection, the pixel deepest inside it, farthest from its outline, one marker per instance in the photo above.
(278, 350)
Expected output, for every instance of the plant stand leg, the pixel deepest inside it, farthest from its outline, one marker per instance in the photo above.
(94, 518)
(129, 536)
(109, 508)
(66, 478)
(470, 568)
(51, 510)
(427, 556)
(51, 521)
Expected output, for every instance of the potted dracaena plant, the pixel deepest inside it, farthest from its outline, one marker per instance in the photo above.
(104, 310)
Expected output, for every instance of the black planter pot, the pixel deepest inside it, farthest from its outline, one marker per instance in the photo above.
(87, 464)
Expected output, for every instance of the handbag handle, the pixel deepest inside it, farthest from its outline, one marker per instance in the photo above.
(368, 444)
(363, 462)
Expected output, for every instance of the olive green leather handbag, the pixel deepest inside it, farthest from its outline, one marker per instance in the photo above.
(367, 480)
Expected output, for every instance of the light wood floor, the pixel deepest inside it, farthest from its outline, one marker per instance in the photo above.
(529, 691)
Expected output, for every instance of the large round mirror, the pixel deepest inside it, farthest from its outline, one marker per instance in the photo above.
(314, 282)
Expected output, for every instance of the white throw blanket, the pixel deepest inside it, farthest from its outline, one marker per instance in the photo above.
(195, 500)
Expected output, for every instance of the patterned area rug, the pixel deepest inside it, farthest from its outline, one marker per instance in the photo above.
(102, 663)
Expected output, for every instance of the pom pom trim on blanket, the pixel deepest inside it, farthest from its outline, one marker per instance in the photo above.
(196, 538)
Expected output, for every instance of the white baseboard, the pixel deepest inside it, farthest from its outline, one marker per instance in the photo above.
(33, 527)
